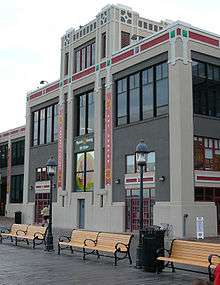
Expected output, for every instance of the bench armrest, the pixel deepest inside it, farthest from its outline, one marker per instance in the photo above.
(5, 230)
(161, 250)
(21, 231)
(117, 246)
(89, 239)
(37, 234)
(62, 238)
(211, 256)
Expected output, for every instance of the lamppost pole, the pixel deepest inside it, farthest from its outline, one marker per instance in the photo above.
(141, 158)
(1, 210)
(51, 168)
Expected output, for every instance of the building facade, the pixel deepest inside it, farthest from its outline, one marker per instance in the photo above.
(12, 148)
(124, 78)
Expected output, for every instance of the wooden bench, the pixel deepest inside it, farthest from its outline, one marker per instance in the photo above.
(117, 244)
(200, 254)
(12, 232)
(33, 233)
(77, 239)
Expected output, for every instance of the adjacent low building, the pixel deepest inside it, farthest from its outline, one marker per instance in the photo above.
(12, 148)
(124, 78)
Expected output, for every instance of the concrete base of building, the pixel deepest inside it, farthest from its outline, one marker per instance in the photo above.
(180, 218)
(12, 208)
(110, 217)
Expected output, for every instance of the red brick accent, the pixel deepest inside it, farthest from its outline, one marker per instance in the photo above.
(155, 41)
(53, 87)
(204, 39)
(84, 73)
(103, 65)
(122, 56)
(208, 178)
(35, 95)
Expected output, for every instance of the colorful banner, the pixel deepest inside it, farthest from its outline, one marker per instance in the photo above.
(9, 170)
(108, 139)
(60, 148)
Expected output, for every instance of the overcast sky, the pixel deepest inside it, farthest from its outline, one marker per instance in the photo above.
(31, 31)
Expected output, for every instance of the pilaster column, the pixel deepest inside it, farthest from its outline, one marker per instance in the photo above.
(97, 132)
(181, 127)
(27, 152)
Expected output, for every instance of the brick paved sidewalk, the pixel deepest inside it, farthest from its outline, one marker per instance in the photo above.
(22, 265)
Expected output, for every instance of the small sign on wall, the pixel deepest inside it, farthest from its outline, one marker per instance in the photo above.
(199, 227)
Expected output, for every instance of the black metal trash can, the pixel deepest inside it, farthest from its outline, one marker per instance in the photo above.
(18, 217)
(153, 239)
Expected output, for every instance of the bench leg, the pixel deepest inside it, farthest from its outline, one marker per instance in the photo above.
(11, 239)
(115, 255)
(33, 244)
(58, 249)
(129, 257)
(16, 241)
(84, 254)
(98, 255)
(27, 241)
(173, 268)
(0, 238)
(71, 248)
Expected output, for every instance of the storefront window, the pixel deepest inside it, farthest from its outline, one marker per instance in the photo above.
(131, 166)
(86, 114)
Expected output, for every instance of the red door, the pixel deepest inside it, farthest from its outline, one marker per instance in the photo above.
(41, 201)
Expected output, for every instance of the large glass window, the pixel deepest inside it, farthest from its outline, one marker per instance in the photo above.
(84, 177)
(142, 95)
(3, 155)
(66, 63)
(18, 152)
(45, 125)
(206, 89)
(41, 174)
(86, 114)
(16, 194)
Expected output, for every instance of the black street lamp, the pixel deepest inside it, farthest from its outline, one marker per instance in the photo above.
(141, 159)
(51, 169)
(1, 210)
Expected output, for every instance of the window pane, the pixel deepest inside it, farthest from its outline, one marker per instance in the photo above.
(35, 128)
(89, 181)
(93, 54)
(42, 126)
(82, 114)
(55, 126)
(134, 98)
(147, 93)
(122, 102)
(162, 96)
(78, 67)
(49, 124)
(80, 181)
(90, 113)
(130, 164)
(83, 58)
(151, 161)
(80, 160)
(89, 160)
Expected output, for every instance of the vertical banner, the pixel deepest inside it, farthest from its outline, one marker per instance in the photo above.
(60, 148)
(108, 139)
(9, 169)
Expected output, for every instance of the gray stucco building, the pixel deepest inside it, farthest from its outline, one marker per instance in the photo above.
(124, 78)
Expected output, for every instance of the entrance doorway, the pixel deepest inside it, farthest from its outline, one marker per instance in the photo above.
(41, 201)
(81, 207)
(3, 194)
(132, 208)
